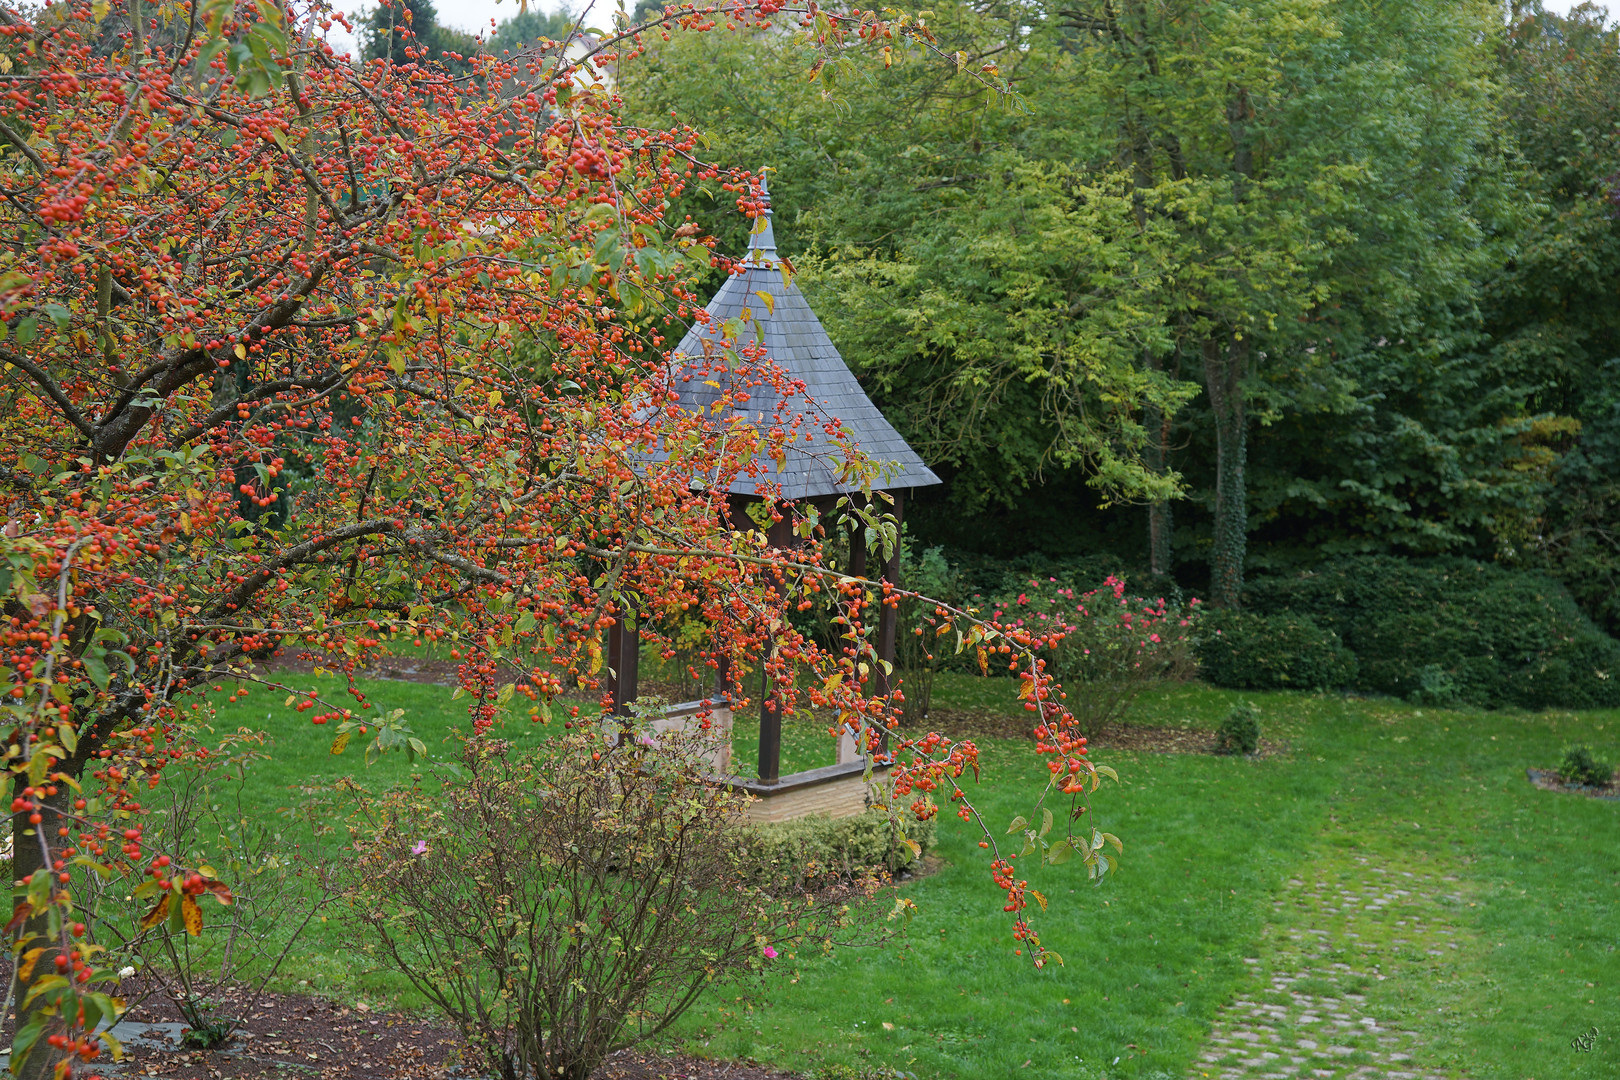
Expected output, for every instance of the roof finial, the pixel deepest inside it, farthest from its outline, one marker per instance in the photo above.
(762, 241)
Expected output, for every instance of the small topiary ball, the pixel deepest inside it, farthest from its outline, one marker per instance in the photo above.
(1239, 733)
(1580, 767)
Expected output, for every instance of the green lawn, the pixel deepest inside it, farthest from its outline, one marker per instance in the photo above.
(1211, 845)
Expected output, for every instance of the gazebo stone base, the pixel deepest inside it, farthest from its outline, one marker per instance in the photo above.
(840, 790)
(689, 714)
(833, 791)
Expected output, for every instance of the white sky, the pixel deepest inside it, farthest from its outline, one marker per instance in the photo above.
(472, 16)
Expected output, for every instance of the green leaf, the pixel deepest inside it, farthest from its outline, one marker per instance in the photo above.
(92, 1012)
(1019, 822)
(1104, 770)
(24, 1042)
(96, 668)
(39, 890)
(1046, 820)
(45, 986)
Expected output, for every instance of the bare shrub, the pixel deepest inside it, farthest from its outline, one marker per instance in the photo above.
(561, 903)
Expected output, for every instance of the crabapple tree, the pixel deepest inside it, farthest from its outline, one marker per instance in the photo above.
(299, 354)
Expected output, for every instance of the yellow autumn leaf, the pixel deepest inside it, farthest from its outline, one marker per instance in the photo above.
(192, 914)
(157, 914)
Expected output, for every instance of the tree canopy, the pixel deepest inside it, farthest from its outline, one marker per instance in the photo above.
(1320, 277)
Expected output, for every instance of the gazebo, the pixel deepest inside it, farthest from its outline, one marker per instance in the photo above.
(795, 341)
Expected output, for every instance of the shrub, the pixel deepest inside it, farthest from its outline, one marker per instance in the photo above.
(195, 952)
(1451, 631)
(564, 902)
(1245, 651)
(1580, 767)
(1239, 733)
(994, 575)
(811, 849)
(1436, 687)
(1104, 646)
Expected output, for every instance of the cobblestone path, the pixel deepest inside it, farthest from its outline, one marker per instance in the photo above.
(1317, 1007)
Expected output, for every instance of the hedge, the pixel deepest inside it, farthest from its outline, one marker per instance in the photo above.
(813, 847)
(1245, 651)
(1454, 632)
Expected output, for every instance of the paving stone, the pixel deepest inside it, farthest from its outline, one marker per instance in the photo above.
(1274, 1023)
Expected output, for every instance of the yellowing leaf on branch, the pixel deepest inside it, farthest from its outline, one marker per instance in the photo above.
(192, 914)
(157, 914)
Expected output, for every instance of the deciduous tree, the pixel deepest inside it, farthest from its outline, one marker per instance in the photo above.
(301, 355)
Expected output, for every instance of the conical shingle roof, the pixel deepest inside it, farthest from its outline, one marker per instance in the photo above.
(795, 341)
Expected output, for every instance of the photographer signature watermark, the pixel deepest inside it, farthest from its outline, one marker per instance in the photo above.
(1583, 1043)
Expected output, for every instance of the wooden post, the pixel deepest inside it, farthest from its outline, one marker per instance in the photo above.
(848, 748)
(779, 536)
(889, 615)
(624, 658)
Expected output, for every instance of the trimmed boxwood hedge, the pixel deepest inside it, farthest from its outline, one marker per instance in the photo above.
(1450, 631)
(1245, 651)
(814, 847)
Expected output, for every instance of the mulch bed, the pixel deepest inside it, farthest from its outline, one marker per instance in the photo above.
(291, 1035)
(1548, 780)
(287, 1036)
(1154, 739)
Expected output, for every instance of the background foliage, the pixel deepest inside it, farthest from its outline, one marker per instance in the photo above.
(1410, 287)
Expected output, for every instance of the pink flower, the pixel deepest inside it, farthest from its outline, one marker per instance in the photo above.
(770, 953)
(420, 848)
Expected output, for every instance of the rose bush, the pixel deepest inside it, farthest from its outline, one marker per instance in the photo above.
(1104, 646)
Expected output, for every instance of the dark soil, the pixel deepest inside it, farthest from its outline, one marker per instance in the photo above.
(1548, 780)
(289, 1035)
(974, 723)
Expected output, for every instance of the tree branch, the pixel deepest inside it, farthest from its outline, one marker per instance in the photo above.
(55, 392)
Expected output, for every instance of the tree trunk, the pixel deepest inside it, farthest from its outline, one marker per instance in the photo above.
(26, 860)
(1158, 454)
(1225, 365)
